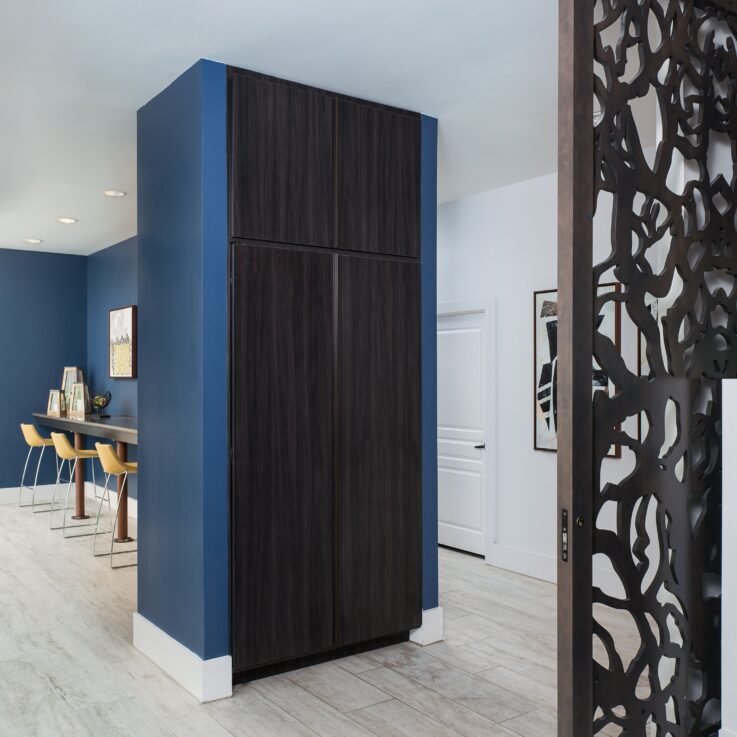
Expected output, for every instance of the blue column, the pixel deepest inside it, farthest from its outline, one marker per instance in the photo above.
(183, 383)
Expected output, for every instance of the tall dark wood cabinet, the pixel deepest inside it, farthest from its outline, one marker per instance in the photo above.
(283, 507)
(325, 373)
(379, 589)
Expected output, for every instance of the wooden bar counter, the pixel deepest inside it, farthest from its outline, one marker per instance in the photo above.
(120, 428)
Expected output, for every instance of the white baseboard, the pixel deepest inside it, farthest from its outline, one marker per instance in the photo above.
(544, 567)
(206, 680)
(431, 629)
(723, 732)
(9, 495)
(524, 562)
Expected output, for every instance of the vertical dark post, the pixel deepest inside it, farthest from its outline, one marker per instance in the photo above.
(80, 512)
(575, 351)
(123, 537)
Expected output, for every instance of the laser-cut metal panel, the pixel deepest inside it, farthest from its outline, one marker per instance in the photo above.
(673, 241)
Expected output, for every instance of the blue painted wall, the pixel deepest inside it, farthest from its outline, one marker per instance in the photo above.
(42, 329)
(429, 215)
(112, 281)
(182, 300)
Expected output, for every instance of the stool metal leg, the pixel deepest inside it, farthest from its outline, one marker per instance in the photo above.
(56, 489)
(23, 477)
(105, 493)
(35, 486)
(73, 468)
(115, 527)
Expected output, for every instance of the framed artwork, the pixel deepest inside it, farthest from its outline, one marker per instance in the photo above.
(72, 375)
(123, 340)
(546, 363)
(56, 406)
(643, 364)
(80, 405)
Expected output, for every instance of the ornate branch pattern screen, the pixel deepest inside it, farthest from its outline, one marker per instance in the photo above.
(673, 249)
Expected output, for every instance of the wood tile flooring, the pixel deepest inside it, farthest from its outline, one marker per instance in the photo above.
(67, 666)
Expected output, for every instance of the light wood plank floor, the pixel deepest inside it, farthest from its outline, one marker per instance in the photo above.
(67, 666)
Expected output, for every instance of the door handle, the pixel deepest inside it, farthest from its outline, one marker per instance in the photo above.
(480, 447)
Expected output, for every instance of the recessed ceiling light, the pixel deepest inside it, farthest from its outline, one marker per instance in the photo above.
(113, 193)
(33, 241)
(67, 221)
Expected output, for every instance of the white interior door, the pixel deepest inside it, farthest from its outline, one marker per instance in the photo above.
(462, 428)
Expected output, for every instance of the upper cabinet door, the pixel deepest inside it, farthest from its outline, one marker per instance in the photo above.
(378, 180)
(282, 172)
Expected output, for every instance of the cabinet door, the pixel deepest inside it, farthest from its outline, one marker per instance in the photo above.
(283, 494)
(281, 162)
(378, 180)
(379, 567)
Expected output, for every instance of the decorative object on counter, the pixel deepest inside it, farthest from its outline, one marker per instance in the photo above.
(100, 402)
(123, 339)
(57, 406)
(72, 375)
(80, 405)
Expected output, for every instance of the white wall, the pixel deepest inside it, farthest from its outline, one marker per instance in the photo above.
(729, 556)
(501, 245)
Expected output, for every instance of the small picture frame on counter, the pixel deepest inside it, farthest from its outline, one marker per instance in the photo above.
(72, 375)
(56, 406)
(79, 408)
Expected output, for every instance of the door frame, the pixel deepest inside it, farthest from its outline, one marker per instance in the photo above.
(575, 351)
(487, 308)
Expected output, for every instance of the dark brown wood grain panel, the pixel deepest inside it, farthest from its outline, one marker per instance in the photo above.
(281, 162)
(378, 180)
(575, 351)
(378, 448)
(283, 491)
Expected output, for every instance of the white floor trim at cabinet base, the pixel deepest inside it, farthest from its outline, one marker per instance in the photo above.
(431, 629)
(206, 680)
(9, 495)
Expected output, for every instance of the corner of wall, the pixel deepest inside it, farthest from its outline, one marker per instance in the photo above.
(429, 219)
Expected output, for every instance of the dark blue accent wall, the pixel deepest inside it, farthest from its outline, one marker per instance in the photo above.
(429, 215)
(112, 281)
(42, 329)
(182, 387)
(215, 345)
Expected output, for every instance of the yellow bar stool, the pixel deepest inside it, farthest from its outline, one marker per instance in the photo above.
(70, 455)
(34, 440)
(112, 466)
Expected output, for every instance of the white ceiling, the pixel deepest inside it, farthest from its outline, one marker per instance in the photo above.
(74, 74)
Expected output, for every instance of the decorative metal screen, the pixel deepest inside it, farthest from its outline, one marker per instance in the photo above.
(674, 251)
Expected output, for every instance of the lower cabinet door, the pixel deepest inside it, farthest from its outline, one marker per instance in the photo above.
(283, 485)
(378, 460)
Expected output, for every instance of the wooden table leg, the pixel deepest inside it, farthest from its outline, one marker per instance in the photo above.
(79, 480)
(123, 537)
